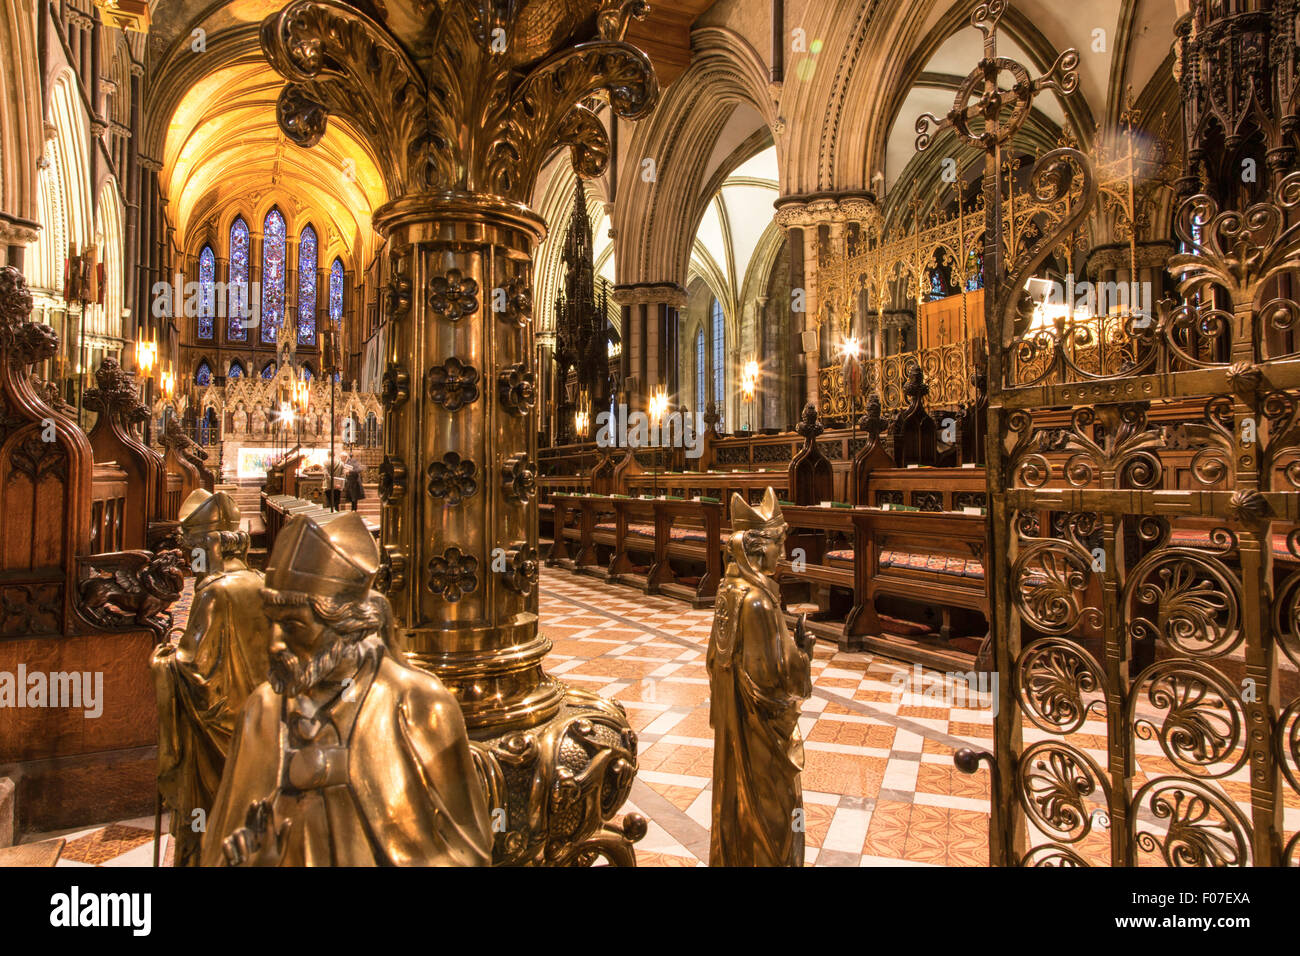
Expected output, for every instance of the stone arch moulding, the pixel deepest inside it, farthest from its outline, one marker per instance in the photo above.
(20, 123)
(650, 242)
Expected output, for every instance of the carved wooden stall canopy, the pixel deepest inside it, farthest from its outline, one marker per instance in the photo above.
(77, 591)
(45, 470)
(114, 439)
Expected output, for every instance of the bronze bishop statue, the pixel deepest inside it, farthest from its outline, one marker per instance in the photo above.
(349, 756)
(203, 680)
(759, 677)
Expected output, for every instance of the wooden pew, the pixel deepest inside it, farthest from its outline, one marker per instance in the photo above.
(686, 532)
(659, 531)
(113, 438)
(936, 558)
(74, 601)
(562, 506)
(635, 532)
(110, 500)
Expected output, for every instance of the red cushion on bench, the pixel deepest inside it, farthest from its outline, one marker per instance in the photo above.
(1201, 540)
(952, 564)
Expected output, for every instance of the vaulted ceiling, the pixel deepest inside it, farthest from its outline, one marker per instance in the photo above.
(212, 108)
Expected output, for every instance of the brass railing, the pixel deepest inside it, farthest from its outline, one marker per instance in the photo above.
(948, 370)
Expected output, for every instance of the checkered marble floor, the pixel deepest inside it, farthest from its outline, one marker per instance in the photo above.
(879, 784)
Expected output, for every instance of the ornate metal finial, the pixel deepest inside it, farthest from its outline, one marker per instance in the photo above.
(406, 85)
(980, 98)
(987, 115)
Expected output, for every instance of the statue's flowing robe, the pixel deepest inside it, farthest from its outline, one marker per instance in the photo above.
(758, 678)
(201, 686)
(382, 776)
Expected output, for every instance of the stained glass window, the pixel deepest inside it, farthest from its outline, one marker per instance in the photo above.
(203, 374)
(307, 287)
(701, 371)
(268, 371)
(719, 356)
(336, 291)
(207, 292)
(307, 373)
(236, 371)
(238, 283)
(272, 275)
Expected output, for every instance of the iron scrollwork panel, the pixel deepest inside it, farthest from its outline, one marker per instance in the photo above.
(1144, 466)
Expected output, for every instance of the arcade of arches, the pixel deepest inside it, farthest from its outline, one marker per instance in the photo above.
(1024, 386)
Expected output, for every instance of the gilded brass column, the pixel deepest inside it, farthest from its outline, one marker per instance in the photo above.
(461, 103)
(457, 480)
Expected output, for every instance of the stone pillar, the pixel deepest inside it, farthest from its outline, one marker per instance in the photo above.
(15, 235)
(458, 479)
(794, 215)
(129, 172)
(650, 311)
(807, 216)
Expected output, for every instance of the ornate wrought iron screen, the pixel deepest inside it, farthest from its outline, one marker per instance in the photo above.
(1147, 615)
(948, 370)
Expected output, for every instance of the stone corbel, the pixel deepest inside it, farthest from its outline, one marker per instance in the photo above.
(17, 233)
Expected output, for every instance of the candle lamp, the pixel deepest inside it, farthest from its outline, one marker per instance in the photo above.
(748, 389)
(582, 422)
(657, 408)
(852, 353)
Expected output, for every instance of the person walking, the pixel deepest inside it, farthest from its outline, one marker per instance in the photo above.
(352, 488)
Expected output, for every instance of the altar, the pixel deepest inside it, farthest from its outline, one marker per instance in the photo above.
(253, 461)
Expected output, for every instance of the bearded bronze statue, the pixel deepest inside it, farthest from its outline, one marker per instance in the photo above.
(348, 756)
(203, 680)
(759, 677)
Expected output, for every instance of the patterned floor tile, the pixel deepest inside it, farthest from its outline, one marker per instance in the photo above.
(649, 653)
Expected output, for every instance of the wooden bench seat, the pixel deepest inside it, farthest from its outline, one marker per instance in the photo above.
(1202, 539)
(918, 560)
(674, 535)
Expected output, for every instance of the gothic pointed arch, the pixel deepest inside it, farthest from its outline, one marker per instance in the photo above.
(237, 253)
(308, 265)
(723, 93)
(336, 292)
(66, 209)
(205, 320)
(274, 274)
